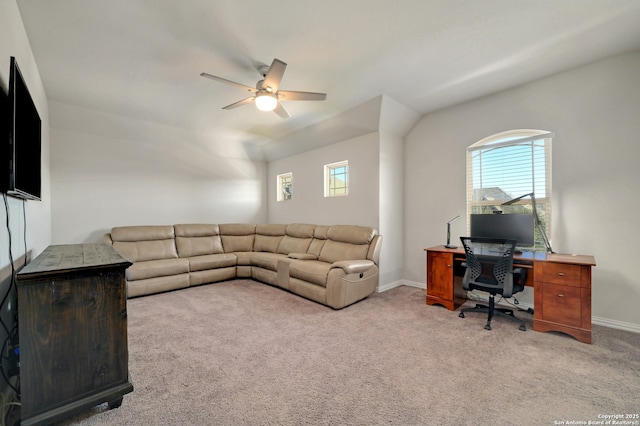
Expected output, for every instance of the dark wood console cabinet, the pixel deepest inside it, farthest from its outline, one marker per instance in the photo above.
(72, 321)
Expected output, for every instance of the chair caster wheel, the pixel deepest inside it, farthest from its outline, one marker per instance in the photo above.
(461, 314)
(523, 328)
(487, 327)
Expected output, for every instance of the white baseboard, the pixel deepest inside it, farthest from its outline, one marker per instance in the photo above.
(621, 325)
(389, 286)
(605, 322)
(402, 282)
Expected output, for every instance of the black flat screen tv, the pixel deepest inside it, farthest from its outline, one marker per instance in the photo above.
(519, 227)
(21, 154)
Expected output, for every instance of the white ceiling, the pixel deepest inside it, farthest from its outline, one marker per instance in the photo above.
(142, 58)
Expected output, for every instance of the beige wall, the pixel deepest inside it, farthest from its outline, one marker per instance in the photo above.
(593, 111)
(14, 42)
(109, 170)
(308, 203)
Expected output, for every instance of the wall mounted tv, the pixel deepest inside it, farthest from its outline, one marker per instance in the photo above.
(20, 171)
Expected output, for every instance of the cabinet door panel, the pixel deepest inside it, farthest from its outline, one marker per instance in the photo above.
(73, 340)
(440, 275)
(562, 304)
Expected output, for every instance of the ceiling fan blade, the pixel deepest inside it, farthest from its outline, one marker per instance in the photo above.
(274, 75)
(245, 101)
(281, 111)
(224, 80)
(290, 95)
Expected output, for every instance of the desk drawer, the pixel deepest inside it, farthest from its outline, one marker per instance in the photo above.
(561, 273)
(562, 304)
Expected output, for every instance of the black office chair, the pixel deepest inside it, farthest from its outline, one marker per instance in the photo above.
(489, 266)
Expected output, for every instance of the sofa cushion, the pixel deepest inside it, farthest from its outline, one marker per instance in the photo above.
(319, 238)
(157, 268)
(140, 251)
(141, 233)
(333, 251)
(313, 271)
(198, 246)
(268, 237)
(237, 237)
(346, 242)
(243, 258)
(196, 230)
(303, 256)
(301, 230)
(266, 243)
(321, 232)
(267, 260)
(142, 243)
(272, 229)
(351, 234)
(157, 285)
(212, 261)
(197, 240)
(293, 245)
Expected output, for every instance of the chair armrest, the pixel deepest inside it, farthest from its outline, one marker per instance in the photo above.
(521, 274)
(303, 256)
(353, 266)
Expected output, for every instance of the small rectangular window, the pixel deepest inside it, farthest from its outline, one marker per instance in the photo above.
(336, 179)
(285, 183)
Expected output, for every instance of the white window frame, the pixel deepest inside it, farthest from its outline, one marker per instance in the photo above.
(284, 186)
(330, 187)
(536, 180)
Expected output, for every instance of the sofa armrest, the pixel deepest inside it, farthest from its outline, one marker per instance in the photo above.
(353, 266)
(106, 239)
(303, 256)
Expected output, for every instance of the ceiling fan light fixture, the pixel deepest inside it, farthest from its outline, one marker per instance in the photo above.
(266, 101)
(267, 93)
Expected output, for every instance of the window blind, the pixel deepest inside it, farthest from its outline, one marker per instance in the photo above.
(507, 166)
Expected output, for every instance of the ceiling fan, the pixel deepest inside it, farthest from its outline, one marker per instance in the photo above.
(266, 94)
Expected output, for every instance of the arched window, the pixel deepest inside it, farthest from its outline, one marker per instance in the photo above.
(509, 165)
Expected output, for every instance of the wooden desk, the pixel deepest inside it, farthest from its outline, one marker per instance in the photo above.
(561, 283)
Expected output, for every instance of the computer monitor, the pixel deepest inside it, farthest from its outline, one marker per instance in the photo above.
(519, 227)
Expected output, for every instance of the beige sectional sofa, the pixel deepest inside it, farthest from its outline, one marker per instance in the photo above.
(334, 265)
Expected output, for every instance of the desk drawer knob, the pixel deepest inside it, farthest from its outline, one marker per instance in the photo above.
(561, 274)
(448, 266)
(560, 295)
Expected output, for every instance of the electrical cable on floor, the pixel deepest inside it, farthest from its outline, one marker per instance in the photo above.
(24, 229)
(11, 334)
(6, 378)
(4, 408)
(13, 270)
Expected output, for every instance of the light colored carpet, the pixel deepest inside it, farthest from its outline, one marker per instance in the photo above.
(245, 353)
